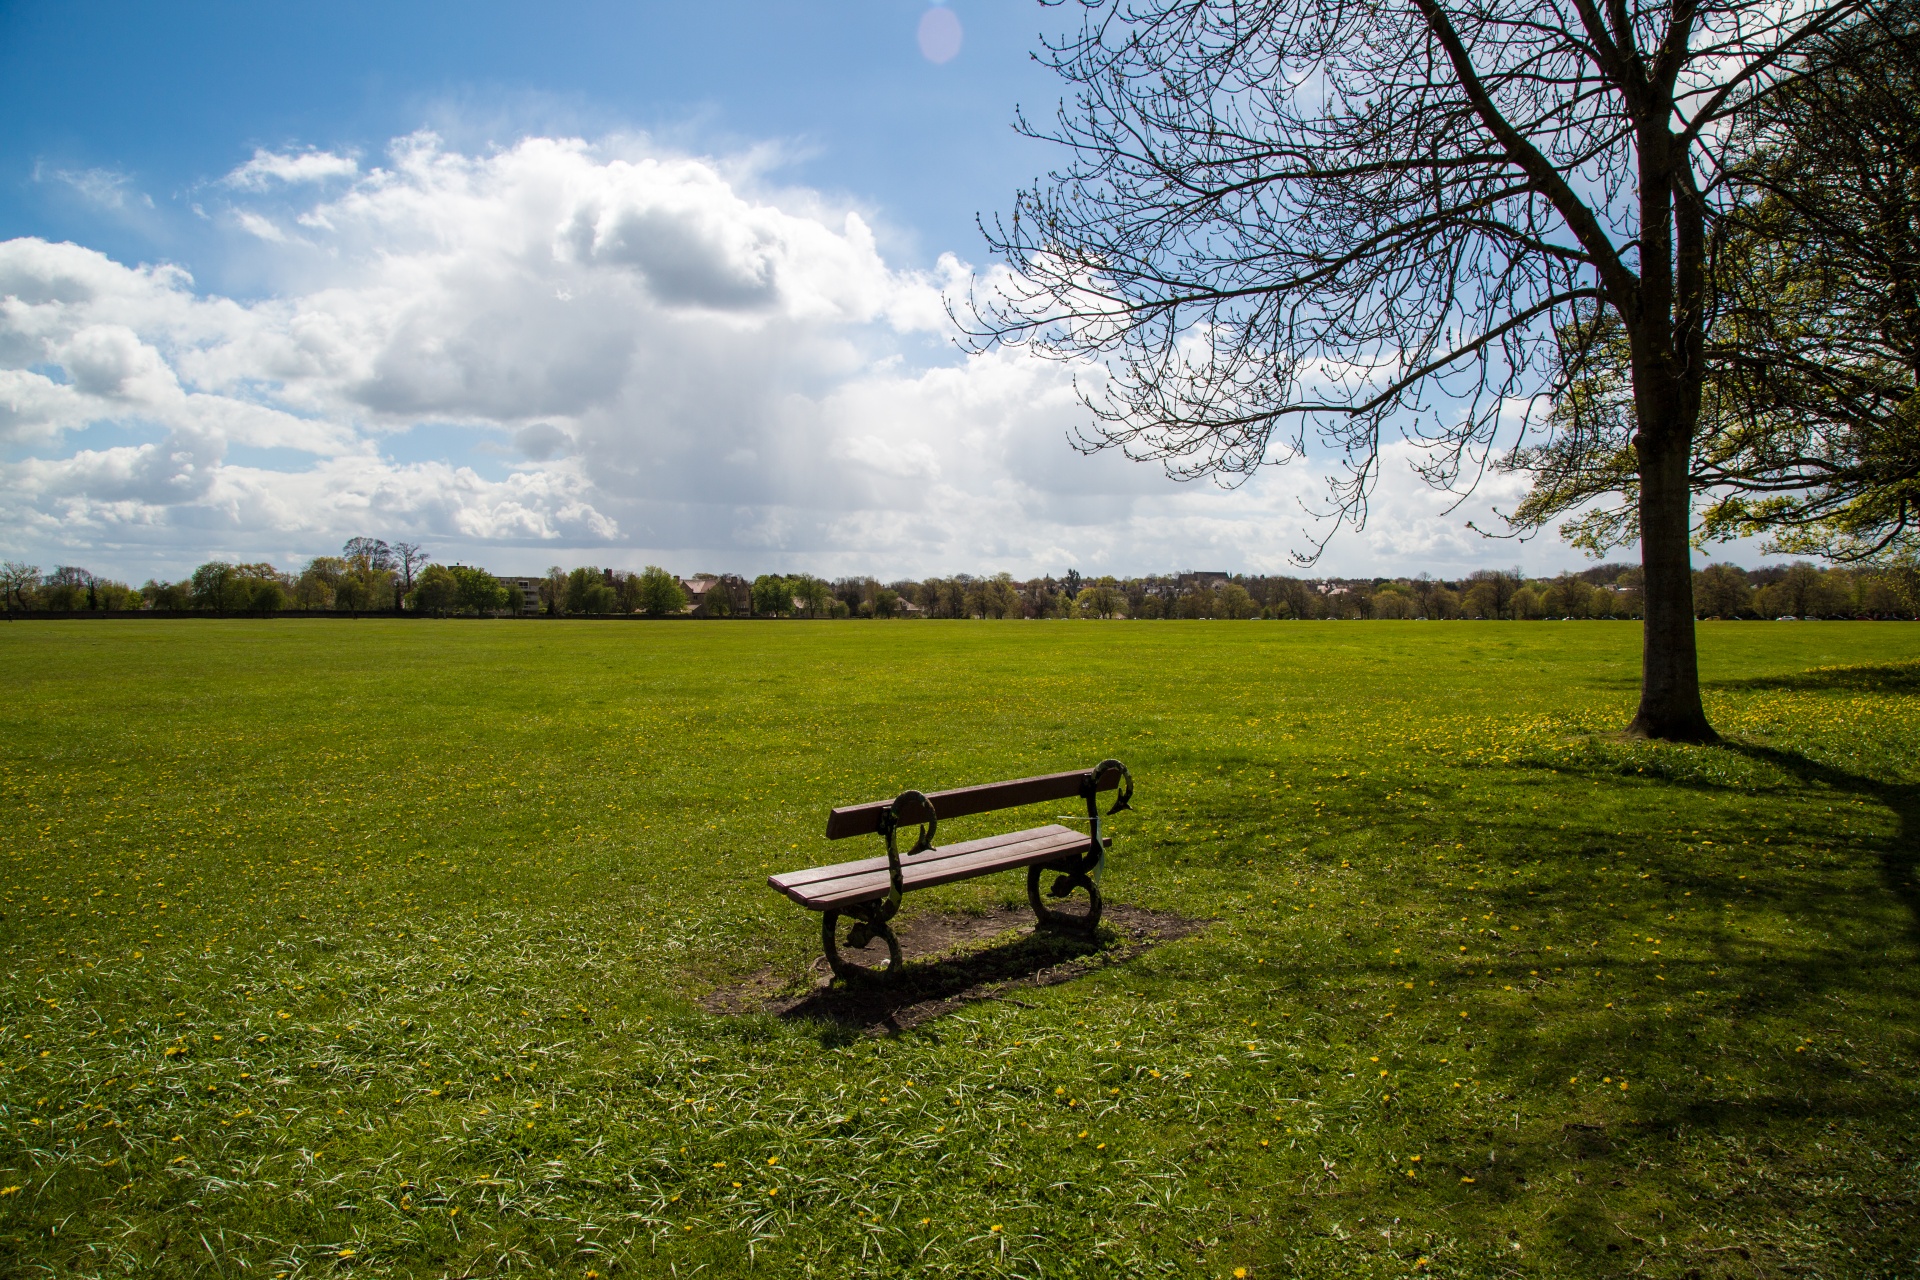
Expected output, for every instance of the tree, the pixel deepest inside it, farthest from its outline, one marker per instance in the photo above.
(408, 558)
(1198, 601)
(1306, 218)
(770, 596)
(435, 592)
(368, 579)
(1802, 591)
(213, 585)
(350, 592)
(1722, 591)
(1809, 424)
(1392, 602)
(477, 591)
(717, 600)
(1567, 596)
(1234, 602)
(553, 591)
(660, 593)
(166, 595)
(317, 583)
(580, 585)
(1099, 599)
(65, 589)
(1003, 601)
(1815, 395)
(816, 600)
(370, 553)
(1490, 593)
(266, 598)
(18, 581)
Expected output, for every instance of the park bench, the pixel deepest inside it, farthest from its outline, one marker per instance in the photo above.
(867, 892)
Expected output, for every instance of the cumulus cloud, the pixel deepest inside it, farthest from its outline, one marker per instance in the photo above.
(562, 349)
(268, 168)
(542, 441)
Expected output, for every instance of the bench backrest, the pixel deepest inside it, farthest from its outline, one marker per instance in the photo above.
(864, 819)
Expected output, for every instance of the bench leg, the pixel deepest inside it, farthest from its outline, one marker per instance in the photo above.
(1066, 880)
(859, 936)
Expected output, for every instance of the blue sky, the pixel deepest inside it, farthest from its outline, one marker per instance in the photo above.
(172, 97)
(562, 283)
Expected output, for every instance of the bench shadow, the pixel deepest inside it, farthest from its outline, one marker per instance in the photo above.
(1002, 952)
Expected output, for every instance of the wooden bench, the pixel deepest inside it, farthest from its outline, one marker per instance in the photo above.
(867, 892)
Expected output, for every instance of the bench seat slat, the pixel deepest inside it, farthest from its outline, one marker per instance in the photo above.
(911, 866)
(848, 883)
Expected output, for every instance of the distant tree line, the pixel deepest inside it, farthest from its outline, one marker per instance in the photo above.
(371, 576)
(1604, 591)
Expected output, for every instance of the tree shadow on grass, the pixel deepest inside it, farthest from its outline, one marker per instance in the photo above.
(1764, 1050)
(1899, 856)
(1887, 677)
(1755, 1000)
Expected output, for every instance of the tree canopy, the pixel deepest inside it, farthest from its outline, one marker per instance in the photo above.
(1303, 227)
(1810, 420)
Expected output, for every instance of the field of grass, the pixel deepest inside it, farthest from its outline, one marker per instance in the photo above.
(376, 948)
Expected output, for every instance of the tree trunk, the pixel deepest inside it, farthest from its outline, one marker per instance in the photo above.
(1669, 670)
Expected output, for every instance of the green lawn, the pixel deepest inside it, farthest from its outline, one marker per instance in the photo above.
(375, 948)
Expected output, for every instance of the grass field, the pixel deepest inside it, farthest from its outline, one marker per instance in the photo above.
(376, 948)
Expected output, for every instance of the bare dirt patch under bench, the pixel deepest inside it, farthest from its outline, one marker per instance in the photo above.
(954, 960)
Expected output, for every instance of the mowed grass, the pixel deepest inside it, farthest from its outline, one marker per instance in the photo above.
(374, 948)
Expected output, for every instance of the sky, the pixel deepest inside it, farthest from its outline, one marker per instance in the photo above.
(569, 283)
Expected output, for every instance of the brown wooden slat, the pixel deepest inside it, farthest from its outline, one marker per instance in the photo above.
(855, 882)
(864, 819)
(847, 893)
(813, 882)
(816, 881)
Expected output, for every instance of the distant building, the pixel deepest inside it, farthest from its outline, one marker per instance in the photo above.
(701, 587)
(529, 589)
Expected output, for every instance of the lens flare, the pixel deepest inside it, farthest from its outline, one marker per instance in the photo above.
(939, 34)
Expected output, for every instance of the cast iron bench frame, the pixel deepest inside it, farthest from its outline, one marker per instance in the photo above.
(868, 891)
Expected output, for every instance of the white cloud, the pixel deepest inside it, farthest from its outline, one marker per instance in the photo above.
(264, 228)
(270, 167)
(561, 350)
(107, 188)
